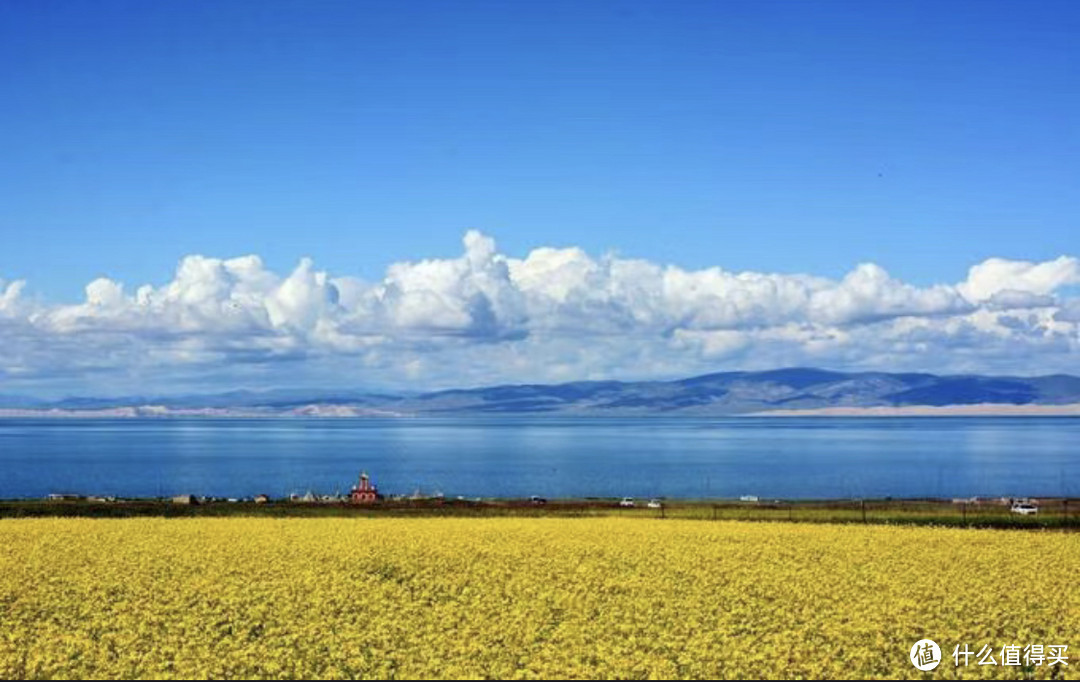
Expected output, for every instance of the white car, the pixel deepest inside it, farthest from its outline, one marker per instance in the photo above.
(655, 504)
(1024, 509)
(626, 502)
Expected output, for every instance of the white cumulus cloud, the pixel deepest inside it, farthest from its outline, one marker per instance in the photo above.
(997, 274)
(551, 314)
(9, 295)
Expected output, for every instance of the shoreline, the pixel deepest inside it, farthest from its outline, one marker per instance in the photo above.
(977, 410)
(317, 412)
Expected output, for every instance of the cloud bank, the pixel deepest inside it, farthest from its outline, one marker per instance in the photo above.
(557, 314)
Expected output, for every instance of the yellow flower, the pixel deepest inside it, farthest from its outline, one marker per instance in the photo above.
(522, 598)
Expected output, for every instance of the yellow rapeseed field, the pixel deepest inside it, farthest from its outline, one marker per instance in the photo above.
(524, 598)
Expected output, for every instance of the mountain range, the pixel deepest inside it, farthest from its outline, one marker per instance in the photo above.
(798, 389)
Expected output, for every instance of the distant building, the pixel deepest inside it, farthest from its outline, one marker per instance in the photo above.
(364, 492)
(184, 499)
(56, 497)
(262, 499)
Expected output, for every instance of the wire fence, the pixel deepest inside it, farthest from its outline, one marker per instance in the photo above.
(990, 513)
(995, 513)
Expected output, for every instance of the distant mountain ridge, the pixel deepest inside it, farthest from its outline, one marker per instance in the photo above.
(795, 388)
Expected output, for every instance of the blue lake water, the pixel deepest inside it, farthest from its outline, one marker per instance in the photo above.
(553, 457)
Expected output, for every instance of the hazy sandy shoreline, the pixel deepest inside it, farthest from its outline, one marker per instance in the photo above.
(344, 411)
(156, 412)
(980, 410)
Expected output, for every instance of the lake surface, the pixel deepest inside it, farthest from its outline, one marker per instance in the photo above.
(553, 457)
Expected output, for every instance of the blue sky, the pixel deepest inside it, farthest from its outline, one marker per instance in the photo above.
(798, 138)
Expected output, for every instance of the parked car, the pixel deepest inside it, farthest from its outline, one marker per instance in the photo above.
(626, 502)
(655, 504)
(536, 499)
(1024, 509)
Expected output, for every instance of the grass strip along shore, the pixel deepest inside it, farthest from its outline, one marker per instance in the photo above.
(1061, 513)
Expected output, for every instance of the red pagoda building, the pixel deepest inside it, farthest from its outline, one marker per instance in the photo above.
(364, 492)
